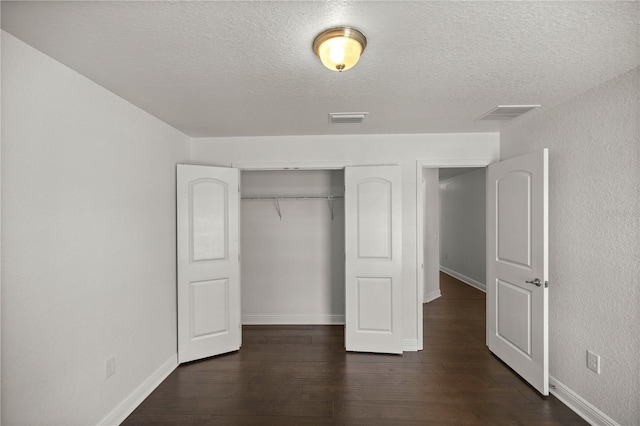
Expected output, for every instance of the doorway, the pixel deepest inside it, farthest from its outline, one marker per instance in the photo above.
(462, 224)
(292, 245)
(454, 227)
(427, 235)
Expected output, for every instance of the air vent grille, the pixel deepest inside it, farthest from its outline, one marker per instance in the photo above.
(347, 117)
(506, 112)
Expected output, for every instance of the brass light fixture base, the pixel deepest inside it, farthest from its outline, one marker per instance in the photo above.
(350, 51)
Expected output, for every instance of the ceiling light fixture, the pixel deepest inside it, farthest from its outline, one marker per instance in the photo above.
(339, 48)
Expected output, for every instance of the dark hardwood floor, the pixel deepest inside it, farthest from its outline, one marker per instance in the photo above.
(301, 375)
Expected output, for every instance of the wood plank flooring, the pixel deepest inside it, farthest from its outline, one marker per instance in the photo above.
(301, 375)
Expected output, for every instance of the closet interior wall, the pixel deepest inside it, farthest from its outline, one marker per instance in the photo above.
(292, 247)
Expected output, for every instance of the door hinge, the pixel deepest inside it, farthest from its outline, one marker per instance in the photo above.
(546, 284)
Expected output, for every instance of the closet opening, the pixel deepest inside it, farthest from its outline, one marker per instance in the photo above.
(292, 245)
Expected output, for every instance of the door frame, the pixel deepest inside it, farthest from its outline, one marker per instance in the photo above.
(438, 163)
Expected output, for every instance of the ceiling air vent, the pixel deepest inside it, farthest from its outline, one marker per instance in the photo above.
(347, 117)
(506, 112)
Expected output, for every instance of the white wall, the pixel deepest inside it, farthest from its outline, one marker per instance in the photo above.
(88, 243)
(594, 231)
(431, 231)
(463, 227)
(404, 150)
(292, 267)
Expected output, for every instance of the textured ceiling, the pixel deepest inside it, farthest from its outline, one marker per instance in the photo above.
(242, 68)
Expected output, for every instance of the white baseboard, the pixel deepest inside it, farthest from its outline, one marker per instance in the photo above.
(130, 403)
(582, 407)
(410, 345)
(293, 319)
(431, 296)
(477, 284)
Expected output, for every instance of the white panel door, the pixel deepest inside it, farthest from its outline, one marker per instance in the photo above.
(517, 271)
(208, 265)
(373, 234)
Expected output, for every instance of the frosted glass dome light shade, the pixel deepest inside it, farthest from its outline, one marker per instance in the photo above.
(340, 48)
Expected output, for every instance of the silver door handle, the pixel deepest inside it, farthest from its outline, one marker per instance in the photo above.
(535, 281)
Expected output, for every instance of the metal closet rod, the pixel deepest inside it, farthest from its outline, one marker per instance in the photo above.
(293, 197)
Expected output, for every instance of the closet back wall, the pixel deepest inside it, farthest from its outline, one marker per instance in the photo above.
(292, 268)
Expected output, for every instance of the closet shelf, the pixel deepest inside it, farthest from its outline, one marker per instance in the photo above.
(276, 200)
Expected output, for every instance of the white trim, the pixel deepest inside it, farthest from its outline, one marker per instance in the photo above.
(582, 407)
(419, 255)
(430, 297)
(291, 165)
(477, 284)
(425, 164)
(135, 398)
(410, 345)
(293, 319)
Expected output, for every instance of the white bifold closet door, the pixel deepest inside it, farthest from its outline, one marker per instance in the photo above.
(373, 234)
(208, 265)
